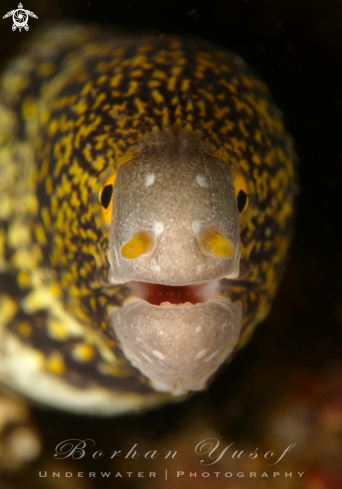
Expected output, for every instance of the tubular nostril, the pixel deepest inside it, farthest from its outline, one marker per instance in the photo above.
(136, 246)
(212, 241)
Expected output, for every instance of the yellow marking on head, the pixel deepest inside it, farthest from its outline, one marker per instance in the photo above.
(92, 181)
(101, 79)
(174, 100)
(49, 185)
(185, 85)
(29, 107)
(221, 153)
(166, 118)
(8, 309)
(99, 163)
(199, 73)
(83, 131)
(2, 249)
(40, 234)
(132, 88)
(44, 170)
(74, 290)
(217, 244)
(123, 158)
(220, 113)
(53, 127)
(23, 279)
(24, 329)
(65, 187)
(153, 84)
(63, 157)
(87, 152)
(239, 182)
(83, 352)
(207, 95)
(115, 111)
(115, 81)
(57, 330)
(92, 303)
(161, 75)
(92, 235)
(137, 73)
(243, 129)
(239, 145)
(268, 244)
(176, 70)
(102, 67)
(81, 107)
(256, 159)
(80, 121)
(140, 106)
(201, 106)
(179, 111)
(211, 65)
(188, 126)
(189, 106)
(171, 84)
(18, 235)
(157, 96)
(246, 81)
(147, 66)
(46, 217)
(99, 99)
(136, 246)
(138, 60)
(285, 212)
(55, 364)
(227, 85)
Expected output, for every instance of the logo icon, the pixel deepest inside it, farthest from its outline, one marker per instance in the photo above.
(20, 18)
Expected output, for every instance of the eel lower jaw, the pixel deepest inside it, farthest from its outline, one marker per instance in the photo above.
(178, 341)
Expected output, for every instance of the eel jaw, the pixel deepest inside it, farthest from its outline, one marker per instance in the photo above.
(178, 346)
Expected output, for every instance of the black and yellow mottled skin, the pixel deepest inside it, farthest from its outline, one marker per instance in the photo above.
(73, 108)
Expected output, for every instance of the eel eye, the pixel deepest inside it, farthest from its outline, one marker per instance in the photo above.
(242, 199)
(241, 191)
(106, 199)
(106, 196)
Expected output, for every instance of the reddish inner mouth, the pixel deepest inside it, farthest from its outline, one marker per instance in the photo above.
(156, 294)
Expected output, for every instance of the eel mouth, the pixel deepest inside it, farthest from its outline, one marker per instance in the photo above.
(159, 294)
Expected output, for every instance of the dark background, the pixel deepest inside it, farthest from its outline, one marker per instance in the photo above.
(296, 48)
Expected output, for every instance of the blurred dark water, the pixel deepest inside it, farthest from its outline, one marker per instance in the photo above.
(296, 48)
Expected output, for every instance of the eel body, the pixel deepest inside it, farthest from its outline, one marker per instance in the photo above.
(147, 191)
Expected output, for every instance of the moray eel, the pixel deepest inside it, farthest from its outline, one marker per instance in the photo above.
(147, 193)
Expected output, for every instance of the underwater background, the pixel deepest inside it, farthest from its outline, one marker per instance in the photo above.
(285, 386)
